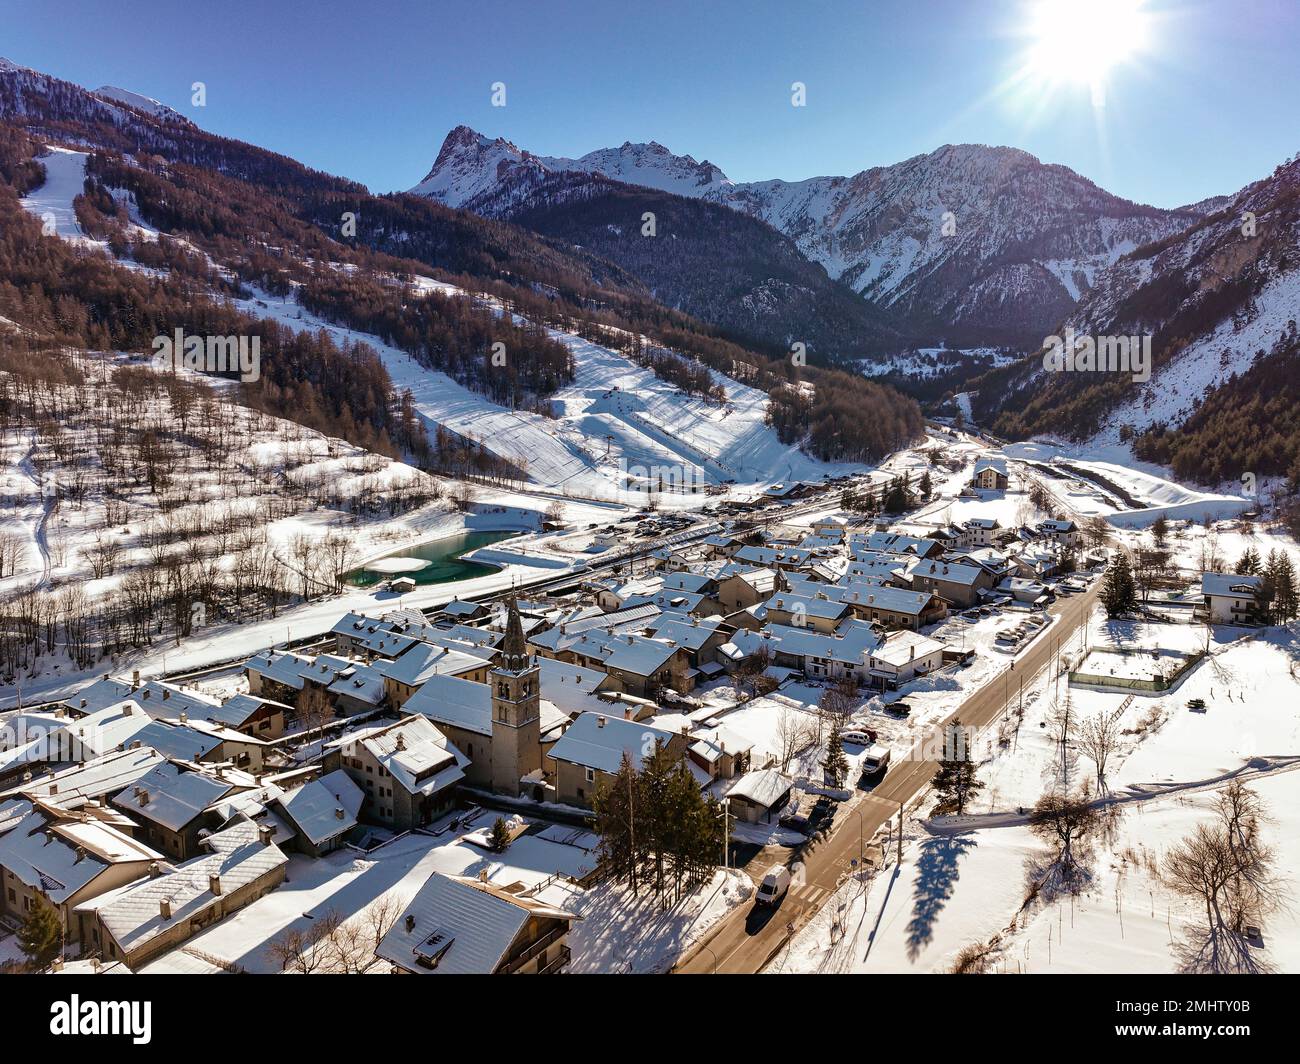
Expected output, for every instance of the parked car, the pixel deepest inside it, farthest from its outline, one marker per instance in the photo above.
(857, 736)
(875, 760)
(795, 822)
(774, 886)
(902, 709)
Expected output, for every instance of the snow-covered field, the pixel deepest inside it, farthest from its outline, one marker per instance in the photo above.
(971, 880)
(1156, 495)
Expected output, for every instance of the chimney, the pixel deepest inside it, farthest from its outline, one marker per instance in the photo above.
(166, 695)
(214, 883)
(600, 721)
(264, 834)
(155, 869)
(410, 923)
(401, 741)
(165, 908)
(135, 679)
(56, 965)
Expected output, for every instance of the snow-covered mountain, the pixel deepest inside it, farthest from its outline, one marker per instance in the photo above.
(968, 242)
(471, 168)
(1220, 303)
(144, 103)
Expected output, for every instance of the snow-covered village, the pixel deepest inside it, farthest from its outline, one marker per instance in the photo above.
(593, 564)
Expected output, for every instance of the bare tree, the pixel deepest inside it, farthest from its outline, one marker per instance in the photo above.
(1063, 820)
(793, 733)
(339, 556)
(299, 951)
(313, 707)
(1098, 738)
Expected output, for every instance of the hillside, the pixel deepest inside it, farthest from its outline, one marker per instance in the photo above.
(234, 216)
(1220, 302)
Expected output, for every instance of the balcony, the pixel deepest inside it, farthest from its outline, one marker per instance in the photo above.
(537, 948)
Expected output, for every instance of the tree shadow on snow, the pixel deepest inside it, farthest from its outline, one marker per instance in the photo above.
(936, 876)
(1218, 950)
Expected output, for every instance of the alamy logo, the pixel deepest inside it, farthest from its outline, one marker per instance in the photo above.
(77, 1017)
(210, 354)
(1099, 354)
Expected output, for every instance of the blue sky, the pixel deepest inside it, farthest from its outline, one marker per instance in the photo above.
(368, 90)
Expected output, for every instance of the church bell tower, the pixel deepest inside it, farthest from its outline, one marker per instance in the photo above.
(516, 709)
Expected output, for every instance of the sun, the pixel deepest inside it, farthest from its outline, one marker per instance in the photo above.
(1080, 42)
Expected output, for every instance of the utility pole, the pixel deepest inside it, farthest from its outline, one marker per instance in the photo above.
(900, 833)
(726, 833)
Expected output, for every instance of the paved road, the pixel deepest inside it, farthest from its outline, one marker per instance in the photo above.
(746, 940)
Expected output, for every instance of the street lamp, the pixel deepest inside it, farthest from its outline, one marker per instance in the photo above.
(724, 816)
(858, 813)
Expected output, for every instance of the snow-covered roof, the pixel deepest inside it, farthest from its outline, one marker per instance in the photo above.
(1230, 584)
(325, 808)
(456, 926)
(177, 740)
(597, 741)
(59, 857)
(240, 709)
(424, 660)
(824, 607)
(451, 700)
(417, 755)
(133, 914)
(951, 572)
(106, 729)
(571, 688)
(365, 683)
(902, 647)
(173, 796)
(764, 787)
(94, 779)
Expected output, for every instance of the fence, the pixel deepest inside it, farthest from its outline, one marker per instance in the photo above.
(1128, 683)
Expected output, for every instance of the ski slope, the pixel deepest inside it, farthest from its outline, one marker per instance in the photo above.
(616, 422)
(618, 426)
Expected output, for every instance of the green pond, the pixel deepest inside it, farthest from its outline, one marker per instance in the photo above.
(441, 558)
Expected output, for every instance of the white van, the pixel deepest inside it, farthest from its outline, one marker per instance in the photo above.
(774, 885)
(876, 759)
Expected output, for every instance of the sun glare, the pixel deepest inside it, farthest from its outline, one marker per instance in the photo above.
(1079, 42)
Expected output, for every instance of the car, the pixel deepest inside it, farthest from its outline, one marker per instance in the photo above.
(795, 822)
(857, 736)
(902, 709)
(775, 885)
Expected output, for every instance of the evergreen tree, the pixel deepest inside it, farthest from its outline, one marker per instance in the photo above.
(499, 838)
(926, 486)
(1279, 587)
(1250, 563)
(615, 806)
(1119, 593)
(41, 934)
(956, 782)
(836, 765)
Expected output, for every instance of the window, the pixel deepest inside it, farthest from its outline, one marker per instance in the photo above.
(590, 775)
